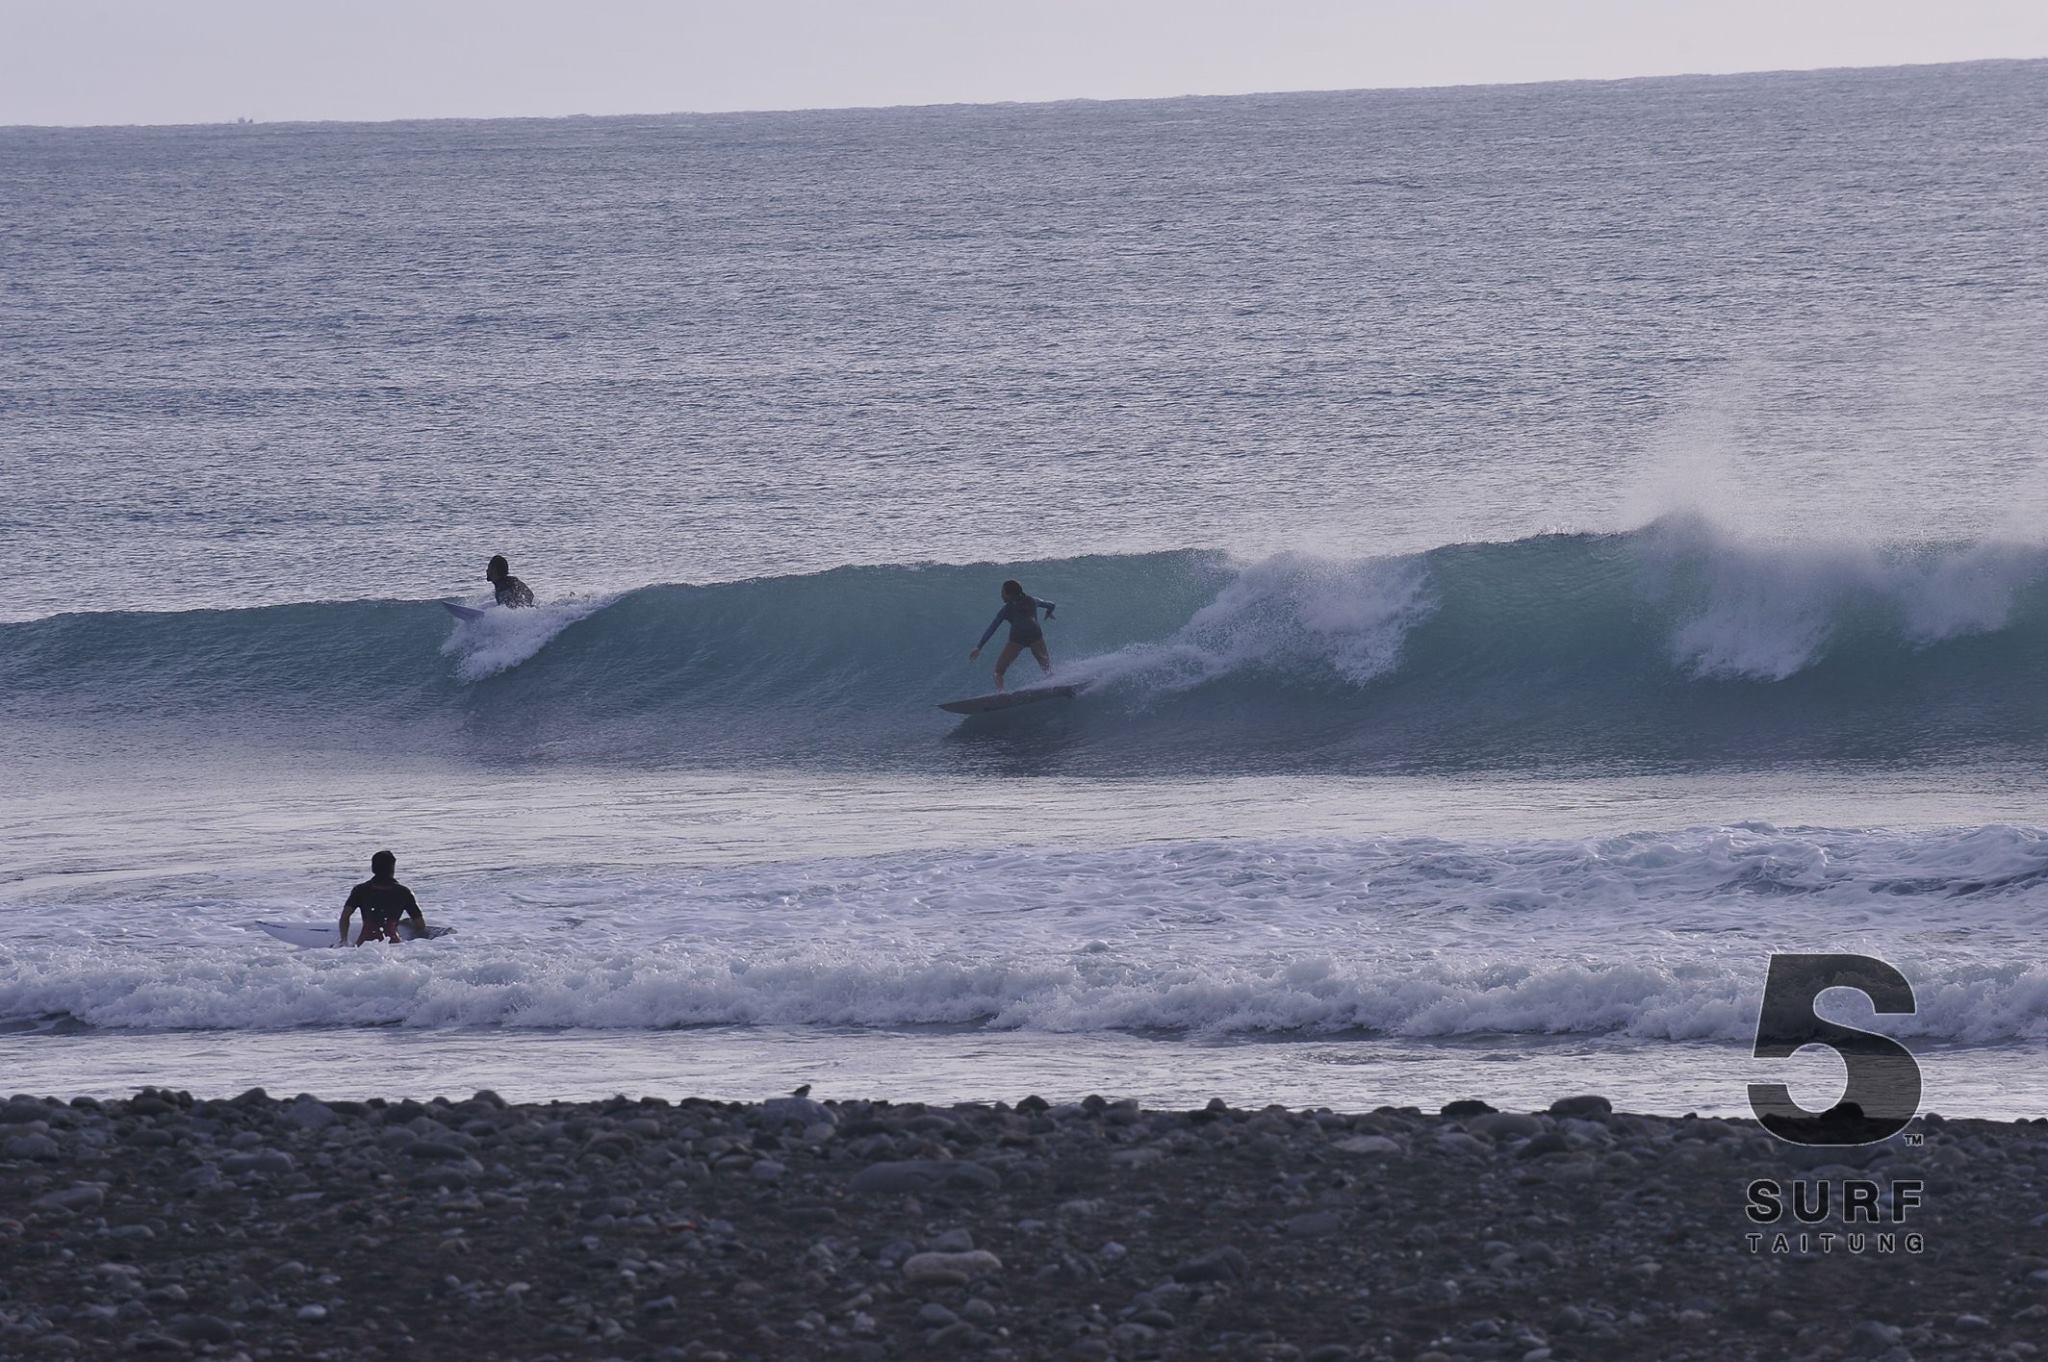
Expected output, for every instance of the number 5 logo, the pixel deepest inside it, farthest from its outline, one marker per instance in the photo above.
(1883, 1092)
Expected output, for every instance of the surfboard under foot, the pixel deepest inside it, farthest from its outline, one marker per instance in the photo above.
(462, 612)
(1009, 699)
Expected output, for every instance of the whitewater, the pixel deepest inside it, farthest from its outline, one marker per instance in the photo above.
(1531, 554)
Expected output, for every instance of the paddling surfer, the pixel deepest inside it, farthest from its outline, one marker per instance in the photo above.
(382, 901)
(1020, 612)
(510, 590)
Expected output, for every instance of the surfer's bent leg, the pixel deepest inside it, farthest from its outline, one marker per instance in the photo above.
(1044, 658)
(1004, 659)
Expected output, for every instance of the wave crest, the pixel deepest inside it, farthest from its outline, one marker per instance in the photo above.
(1670, 646)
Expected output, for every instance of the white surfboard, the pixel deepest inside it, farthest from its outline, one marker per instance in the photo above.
(1009, 699)
(462, 612)
(329, 934)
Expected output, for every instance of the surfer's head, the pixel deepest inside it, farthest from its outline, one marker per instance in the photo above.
(499, 569)
(1012, 589)
(383, 863)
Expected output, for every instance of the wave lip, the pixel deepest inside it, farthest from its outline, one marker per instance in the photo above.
(1675, 645)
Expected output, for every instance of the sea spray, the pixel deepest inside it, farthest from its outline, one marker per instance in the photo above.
(1672, 647)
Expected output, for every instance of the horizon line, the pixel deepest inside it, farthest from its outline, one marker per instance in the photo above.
(775, 111)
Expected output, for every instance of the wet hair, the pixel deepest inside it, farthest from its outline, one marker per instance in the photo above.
(1013, 587)
(383, 863)
(498, 568)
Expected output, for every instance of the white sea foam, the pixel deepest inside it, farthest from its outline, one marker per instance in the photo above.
(1284, 613)
(1766, 611)
(501, 639)
(1654, 936)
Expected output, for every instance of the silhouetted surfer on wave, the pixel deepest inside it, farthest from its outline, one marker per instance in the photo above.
(1021, 613)
(511, 591)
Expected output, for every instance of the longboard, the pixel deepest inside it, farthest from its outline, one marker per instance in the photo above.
(462, 612)
(1009, 699)
(324, 934)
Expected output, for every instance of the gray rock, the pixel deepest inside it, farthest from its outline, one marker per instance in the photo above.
(84, 1196)
(20, 1113)
(437, 1151)
(442, 1179)
(798, 1111)
(923, 1175)
(1131, 1336)
(312, 1314)
(309, 1113)
(266, 1161)
(32, 1146)
(200, 1179)
(1314, 1224)
(766, 1170)
(149, 1341)
(1505, 1125)
(1588, 1105)
(950, 1269)
(1549, 1142)
(933, 1315)
(202, 1329)
(1372, 1146)
(1224, 1264)
(954, 1241)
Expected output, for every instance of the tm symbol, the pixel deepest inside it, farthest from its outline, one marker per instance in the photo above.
(1916, 1139)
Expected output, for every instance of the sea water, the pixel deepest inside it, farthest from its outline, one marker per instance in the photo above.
(1533, 552)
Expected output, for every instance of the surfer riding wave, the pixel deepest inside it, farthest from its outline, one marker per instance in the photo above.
(1020, 611)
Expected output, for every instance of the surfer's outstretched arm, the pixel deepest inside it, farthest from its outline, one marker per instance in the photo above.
(988, 633)
(348, 910)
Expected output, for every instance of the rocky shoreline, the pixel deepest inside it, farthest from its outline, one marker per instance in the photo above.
(641, 1229)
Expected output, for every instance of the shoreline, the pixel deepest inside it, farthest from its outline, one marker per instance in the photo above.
(254, 1227)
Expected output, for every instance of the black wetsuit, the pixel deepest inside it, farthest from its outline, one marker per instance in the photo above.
(1022, 615)
(382, 901)
(512, 591)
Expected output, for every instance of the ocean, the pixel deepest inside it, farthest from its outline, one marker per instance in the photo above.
(1533, 552)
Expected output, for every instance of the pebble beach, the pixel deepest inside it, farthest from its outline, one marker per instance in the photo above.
(255, 1228)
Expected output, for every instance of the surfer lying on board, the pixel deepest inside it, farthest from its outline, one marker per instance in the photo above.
(1021, 612)
(383, 900)
(511, 591)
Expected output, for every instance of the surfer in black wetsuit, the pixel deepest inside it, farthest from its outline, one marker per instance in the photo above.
(1020, 612)
(511, 591)
(383, 900)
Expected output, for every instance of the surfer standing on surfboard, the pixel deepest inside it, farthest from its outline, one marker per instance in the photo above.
(383, 900)
(1021, 612)
(511, 591)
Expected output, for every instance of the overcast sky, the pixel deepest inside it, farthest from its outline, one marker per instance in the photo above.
(178, 61)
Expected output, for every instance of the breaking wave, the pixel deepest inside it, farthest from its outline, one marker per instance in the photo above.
(1669, 646)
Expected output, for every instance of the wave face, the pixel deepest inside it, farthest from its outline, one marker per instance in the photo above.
(1673, 646)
